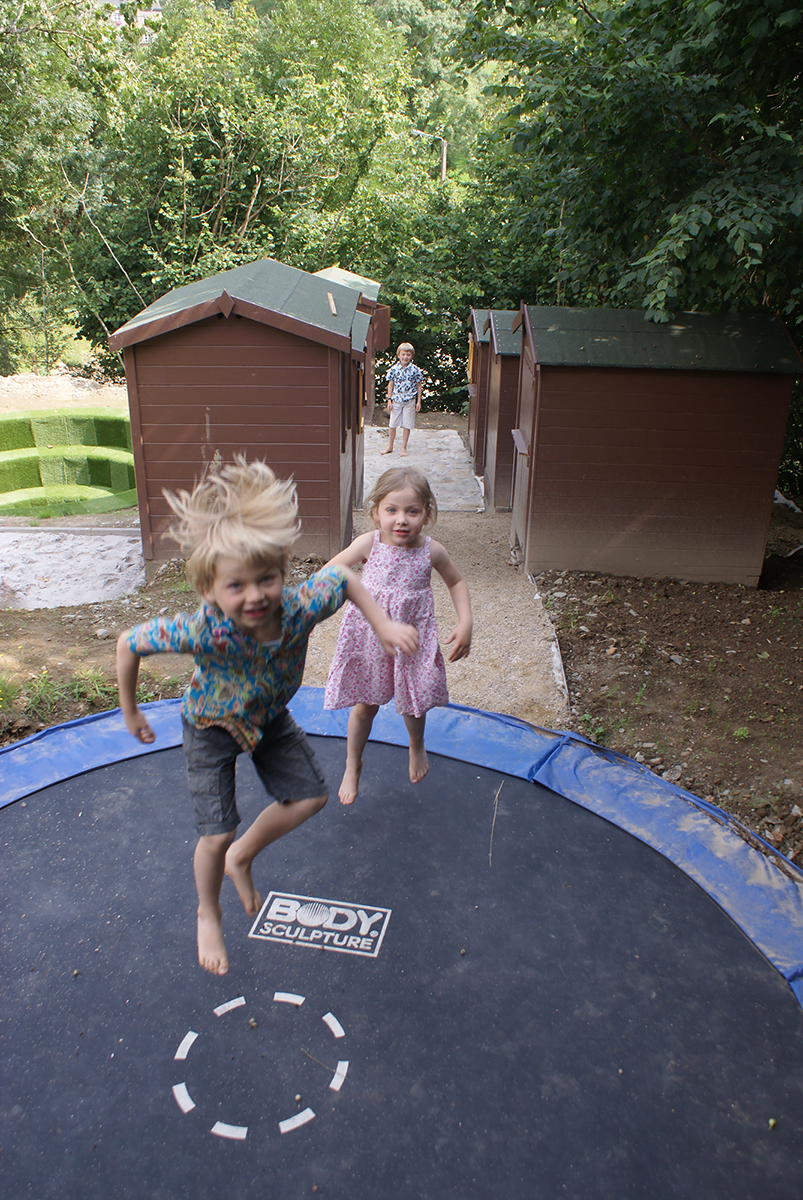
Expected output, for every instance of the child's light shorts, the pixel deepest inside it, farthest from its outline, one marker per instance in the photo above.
(284, 761)
(402, 415)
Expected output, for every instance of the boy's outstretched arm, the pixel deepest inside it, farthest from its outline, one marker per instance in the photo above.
(392, 636)
(127, 674)
(460, 637)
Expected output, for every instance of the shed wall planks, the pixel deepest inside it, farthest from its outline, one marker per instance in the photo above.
(638, 472)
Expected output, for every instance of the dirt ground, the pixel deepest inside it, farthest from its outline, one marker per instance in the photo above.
(701, 682)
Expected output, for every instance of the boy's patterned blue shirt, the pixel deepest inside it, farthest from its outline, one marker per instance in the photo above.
(238, 682)
(405, 382)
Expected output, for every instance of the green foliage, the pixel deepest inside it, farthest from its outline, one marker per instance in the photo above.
(661, 145)
(235, 137)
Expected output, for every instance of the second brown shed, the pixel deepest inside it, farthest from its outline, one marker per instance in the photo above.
(503, 391)
(259, 360)
(646, 449)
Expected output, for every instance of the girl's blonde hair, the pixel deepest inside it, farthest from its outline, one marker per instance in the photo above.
(401, 477)
(239, 510)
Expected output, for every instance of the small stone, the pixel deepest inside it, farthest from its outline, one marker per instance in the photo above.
(639, 757)
(103, 634)
(747, 621)
(673, 774)
(558, 595)
(796, 812)
(675, 658)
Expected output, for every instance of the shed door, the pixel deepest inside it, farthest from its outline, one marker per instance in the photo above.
(524, 454)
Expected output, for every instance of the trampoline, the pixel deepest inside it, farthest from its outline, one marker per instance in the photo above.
(540, 973)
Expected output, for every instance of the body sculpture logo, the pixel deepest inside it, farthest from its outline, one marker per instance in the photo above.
(323, 924)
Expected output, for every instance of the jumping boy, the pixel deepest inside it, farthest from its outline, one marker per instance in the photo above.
(249, 640)
(405, 385)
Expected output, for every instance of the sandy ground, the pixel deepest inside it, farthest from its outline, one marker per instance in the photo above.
(29, 393)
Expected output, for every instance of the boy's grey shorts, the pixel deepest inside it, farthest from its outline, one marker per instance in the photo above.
(283, 758)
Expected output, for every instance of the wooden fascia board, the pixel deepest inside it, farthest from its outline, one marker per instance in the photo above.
(294, 325)
(166, 324)
(223, 304)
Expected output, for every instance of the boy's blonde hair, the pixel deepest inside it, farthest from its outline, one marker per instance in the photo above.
(405, 346)
(402, 477)
(239, 510)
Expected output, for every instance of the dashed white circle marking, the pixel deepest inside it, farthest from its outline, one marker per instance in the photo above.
(183, 1098)
(240, 1132)
(184, 1048)
(236, 1132)
(331, 1020)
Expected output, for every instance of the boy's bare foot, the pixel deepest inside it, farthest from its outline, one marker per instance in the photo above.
(350, 784)
(211, 947)
(388, 451)
(402, 454)
(240, 875)
(419, 764)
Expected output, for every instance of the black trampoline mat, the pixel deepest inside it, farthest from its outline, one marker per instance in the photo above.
(574, 1018)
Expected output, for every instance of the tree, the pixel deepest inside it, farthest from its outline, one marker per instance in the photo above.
(232, 137)
(662, 146)
(58, 64)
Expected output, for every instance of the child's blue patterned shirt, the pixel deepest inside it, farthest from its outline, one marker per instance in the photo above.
(405, 382)
(239, 683)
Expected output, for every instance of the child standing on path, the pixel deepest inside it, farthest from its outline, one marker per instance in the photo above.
(405, 384)
(249, 640)
(398, 557)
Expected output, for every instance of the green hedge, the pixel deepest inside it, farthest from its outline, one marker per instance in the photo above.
(63, 463)
(78, 427)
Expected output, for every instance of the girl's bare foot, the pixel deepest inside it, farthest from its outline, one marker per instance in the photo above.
(350, 784)
(240, 875)
(211, 947)
(419, 764)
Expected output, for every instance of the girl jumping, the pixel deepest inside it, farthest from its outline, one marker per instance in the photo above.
(398, 558)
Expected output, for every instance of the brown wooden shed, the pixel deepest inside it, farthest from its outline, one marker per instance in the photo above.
(262, 360)
(478, 369)
(503, 394)
(649, 449)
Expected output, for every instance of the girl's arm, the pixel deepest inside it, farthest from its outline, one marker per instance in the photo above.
(127, 673)
(392, 636)
(458, 590)
(357, 552)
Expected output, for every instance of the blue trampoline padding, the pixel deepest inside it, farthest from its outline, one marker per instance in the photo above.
(759, 889)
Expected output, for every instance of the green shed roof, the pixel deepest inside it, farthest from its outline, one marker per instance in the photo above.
(505, 341)
(267, 291)
(607, 337)
(359, 332)
(477, 320)
(369, 288)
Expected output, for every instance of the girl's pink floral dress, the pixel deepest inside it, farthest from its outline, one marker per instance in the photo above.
(361, 673)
